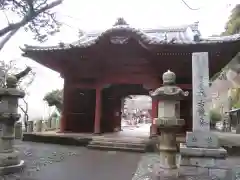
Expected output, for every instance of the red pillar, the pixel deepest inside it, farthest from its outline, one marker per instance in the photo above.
(97, 119)
(63, 122)
(154, 115)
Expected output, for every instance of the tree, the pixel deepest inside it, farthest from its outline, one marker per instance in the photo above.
(233, 23)
(215, 117)
(23, 84)
(34, 15)
(234, 99)
(54, 98)
(232, 27)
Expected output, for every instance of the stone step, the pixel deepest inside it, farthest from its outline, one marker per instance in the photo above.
(117, 145)
(110, 143)
(126, 140)
(116, 148)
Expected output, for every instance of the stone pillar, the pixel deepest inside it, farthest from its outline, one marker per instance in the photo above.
(57, 123)
(48, 124)
(53, 123)
(39, 125)
(202, 147)
(9, 161)
(45, 126)
(97, 119)
(30, 126)
(169, 122)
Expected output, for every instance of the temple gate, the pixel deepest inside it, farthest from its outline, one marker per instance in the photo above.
(99, 69)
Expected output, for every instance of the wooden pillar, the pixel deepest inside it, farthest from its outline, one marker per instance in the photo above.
(63, 122)
(154, 115)
(97, 119)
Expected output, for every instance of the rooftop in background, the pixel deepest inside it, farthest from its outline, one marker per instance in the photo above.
(135, 51)
(185, 34)
(234, 110)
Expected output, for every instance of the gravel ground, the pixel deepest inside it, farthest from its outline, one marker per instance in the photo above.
(56, 162)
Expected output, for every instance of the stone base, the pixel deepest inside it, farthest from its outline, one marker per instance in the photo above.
(219, 153)
(201, 162)
(162, 173)
(12, 169)
(189, 172)
(202, 139)
(9, 158)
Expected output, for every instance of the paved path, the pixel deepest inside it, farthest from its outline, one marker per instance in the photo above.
(54, 162)
(94, 165)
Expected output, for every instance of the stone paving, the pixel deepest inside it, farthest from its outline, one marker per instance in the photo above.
(37, 156)
(55, 162)
(146, 169)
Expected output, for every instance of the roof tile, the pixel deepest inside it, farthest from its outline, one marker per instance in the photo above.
(175, 35)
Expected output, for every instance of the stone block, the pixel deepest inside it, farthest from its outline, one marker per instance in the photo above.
(198, 162)
(9, 159)
(202, 139)
(7, 130)
(12, 169)
(220, 174)
(167, 109)
(3, 106)
(18, 130)
(234, 173)
(192, 171)
(12, 104)
(6, 145)
(219, 153)
(30, 126)
(170, 122)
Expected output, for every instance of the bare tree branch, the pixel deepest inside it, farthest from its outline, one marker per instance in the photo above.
(44, 2)
(30, 16)
(7, 37)
(6, 17)
(186, 4)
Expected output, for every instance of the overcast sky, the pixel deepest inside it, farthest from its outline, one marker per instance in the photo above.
(90, 15)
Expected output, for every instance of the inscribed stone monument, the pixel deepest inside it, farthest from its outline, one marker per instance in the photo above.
(201, 136)
(200, 83)
(202, 149)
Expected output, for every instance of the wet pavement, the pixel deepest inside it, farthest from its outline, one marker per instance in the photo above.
(55, 162)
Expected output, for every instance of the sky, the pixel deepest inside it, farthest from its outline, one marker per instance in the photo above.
(91, 15)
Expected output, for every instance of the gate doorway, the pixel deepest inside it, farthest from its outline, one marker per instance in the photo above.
(136, 115)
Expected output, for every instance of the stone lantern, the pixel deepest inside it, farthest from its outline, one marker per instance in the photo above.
(9, 160)
(168, 121)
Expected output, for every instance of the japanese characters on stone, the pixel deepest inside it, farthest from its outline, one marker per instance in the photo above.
(201, 101)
